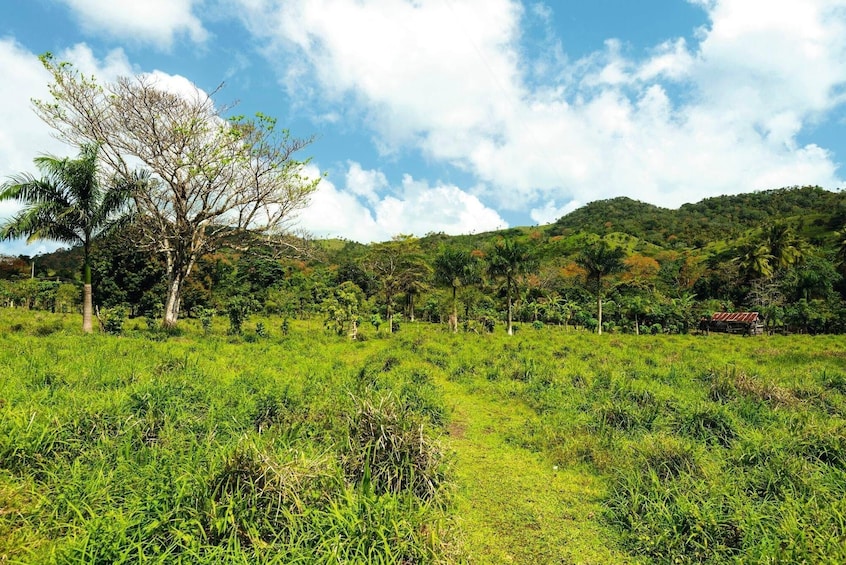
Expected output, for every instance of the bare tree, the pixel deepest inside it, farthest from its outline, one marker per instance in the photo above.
(205, 181)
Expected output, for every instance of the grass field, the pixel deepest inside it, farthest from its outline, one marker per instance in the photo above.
(420, 447)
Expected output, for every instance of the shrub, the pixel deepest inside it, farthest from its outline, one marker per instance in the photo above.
(113, 319)
(258, 496)
(238, 310)
(206, 315)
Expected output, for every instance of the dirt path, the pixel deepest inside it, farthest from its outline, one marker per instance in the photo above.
(513, 505)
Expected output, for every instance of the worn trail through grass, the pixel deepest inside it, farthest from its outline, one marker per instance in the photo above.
(513, 505)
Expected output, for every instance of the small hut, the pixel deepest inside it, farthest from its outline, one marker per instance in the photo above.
(747, 323)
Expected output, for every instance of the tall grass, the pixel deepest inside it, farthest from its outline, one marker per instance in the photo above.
(712, 449)
(302, 447)
(214, 449)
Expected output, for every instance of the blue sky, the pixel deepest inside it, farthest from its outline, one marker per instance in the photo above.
(471, 115)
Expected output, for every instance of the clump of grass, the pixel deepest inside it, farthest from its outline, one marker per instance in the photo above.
(275, 408)
(834, 380)
(709, 423)
(390, 448)
(667, 456)
(258, 496)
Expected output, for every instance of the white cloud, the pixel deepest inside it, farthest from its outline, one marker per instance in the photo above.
(422, 208)
(549, 212)
(366, 184)
(337, 213)
(415, 207)
(150, 21)
(23, 136)
(419, 68)
(448, 79)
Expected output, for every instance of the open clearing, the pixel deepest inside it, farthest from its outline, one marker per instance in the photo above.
(420, 447)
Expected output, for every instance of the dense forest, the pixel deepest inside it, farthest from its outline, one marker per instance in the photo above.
(615, 265)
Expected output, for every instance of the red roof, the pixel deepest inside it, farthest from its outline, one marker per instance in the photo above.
(742, 317)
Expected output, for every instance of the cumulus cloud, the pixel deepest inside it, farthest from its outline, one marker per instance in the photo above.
(549, 212)
(366, 184)
(152, 21)
(358, 212)
(24, 136)
(448, 79)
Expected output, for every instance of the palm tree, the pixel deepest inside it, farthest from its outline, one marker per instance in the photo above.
(68, 204)
(455, 268)
(784, 245)
(600, 260)
(841, 247)
(773, 251)
(756, 261)
(510, 258)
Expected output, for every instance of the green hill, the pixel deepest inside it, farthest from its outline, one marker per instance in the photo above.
(716, 218)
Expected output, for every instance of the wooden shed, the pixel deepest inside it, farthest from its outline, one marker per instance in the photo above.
(748, 323)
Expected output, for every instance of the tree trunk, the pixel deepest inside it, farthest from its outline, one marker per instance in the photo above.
(454, 320)
(389, 312)
(87, 302)
(174, 291)
(87, 309)
(508, 294)
(599, 313)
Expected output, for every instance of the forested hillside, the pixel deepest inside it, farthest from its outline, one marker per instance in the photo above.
(649, 269)
(712, 219)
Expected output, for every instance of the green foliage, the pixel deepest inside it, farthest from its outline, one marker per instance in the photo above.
(69, 205)
(113, 319)
(389, 452)
(238, 309)
(206, 316)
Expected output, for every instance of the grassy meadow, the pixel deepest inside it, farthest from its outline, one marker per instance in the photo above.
(419, 447)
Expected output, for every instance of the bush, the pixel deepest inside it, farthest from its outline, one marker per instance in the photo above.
(238, 310)
(206, 315)
(257, 495)
(709, 423)
(113, 319)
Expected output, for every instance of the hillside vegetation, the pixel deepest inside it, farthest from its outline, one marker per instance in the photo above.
(781, 253)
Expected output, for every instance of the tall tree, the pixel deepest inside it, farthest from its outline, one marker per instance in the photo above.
(455, 268)
(755, 260)
(600, 260)
(841, 248)
(69, 204)
(508, 259)
(396, 265)
(212, 181)
(770, 253)
(784, 245)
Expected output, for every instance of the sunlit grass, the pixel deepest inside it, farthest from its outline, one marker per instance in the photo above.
(420, 447)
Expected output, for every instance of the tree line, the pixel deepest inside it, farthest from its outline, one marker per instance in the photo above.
(611, 283)
(174, 207)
